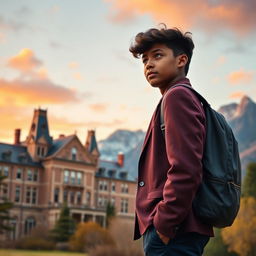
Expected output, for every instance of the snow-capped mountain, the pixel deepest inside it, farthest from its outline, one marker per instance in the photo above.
(119, 141)
(242, 119)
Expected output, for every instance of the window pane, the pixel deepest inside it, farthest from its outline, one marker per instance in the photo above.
(35, 175)
(18, 174)
(28, 195)
(66, 176)
(79, 178)
(79, 197)
(6, 171)
(56, 195)
(17, 194)
(65, 196)
(29, 175)
(34, 195)
(73, 177)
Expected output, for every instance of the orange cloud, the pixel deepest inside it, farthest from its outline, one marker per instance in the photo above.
(24, 61)
(78, 76)
(27, 92)
(237, 95)
(235, 15)
(73, 64)
(240, 77)
(98, 107)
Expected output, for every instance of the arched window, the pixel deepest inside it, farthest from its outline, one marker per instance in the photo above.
(73, 154)
(30, 223)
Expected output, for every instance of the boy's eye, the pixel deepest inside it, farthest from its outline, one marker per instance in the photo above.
(144, 60)
(158, 55)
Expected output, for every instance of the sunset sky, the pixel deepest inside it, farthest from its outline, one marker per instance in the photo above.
(71, 57)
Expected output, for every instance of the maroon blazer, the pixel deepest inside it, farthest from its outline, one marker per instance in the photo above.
(170, 169)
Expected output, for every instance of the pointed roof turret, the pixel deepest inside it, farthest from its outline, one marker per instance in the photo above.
(91, 143)
(39, 128)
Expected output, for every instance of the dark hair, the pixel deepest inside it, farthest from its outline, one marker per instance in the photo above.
(173, 38)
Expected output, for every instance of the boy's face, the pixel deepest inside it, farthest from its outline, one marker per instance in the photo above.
(161, 67)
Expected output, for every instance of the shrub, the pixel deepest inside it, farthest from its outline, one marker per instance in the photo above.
(37, 240)
(88, 236)
(34, 243)
(114, 251)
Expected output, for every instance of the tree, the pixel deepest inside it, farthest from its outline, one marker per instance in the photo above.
(249, 188)
(110, 213)
(88, 236)
(241, 236)
(216, 246)
(64, 227)
(5, 206)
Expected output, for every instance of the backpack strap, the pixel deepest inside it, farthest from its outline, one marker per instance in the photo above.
(199, 96)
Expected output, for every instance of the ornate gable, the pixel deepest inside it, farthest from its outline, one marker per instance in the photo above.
(74, 151)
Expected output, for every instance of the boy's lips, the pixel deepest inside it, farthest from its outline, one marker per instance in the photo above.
(151, 74)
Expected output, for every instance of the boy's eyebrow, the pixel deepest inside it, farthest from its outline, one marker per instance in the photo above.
(155, 50)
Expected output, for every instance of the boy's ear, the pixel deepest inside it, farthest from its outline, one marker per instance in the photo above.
(182, 60)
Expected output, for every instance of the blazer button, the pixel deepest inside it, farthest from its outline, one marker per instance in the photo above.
(141, 183)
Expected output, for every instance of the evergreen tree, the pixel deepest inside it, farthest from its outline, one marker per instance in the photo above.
(249, 187)
(5, 206)
(64, 227)
(110, 213)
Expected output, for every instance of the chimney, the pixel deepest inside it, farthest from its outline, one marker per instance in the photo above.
(120, 159)
(17, 136)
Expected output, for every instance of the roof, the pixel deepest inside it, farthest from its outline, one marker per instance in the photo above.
(111, 169)
(16, 154)
(58, 144)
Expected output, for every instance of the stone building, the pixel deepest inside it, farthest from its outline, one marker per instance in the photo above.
(43, 173)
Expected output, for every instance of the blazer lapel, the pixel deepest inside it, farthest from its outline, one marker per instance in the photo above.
(151, 125)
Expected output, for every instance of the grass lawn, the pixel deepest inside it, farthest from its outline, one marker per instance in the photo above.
(38, 253)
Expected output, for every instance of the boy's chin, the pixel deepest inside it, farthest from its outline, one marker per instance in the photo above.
(155, 85)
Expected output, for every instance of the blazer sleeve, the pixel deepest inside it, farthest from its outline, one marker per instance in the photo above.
(184, 138)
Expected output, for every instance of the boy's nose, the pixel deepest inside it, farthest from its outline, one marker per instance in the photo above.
(149, 65)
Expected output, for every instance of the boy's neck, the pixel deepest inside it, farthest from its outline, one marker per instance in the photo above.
(173, 82)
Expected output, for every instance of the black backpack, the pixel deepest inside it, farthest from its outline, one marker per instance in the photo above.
(217, 200)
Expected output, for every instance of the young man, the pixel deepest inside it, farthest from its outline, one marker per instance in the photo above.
(170, 165)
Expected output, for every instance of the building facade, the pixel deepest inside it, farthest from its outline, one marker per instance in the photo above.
(43, 173)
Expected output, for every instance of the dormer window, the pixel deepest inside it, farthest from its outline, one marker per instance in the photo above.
(73, 154)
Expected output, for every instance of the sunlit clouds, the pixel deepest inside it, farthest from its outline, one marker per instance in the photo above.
(241, 77)
(237, 16)
(99, 107)
(33, 92)
(237, 95)
(24, 61)
(77, 76)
